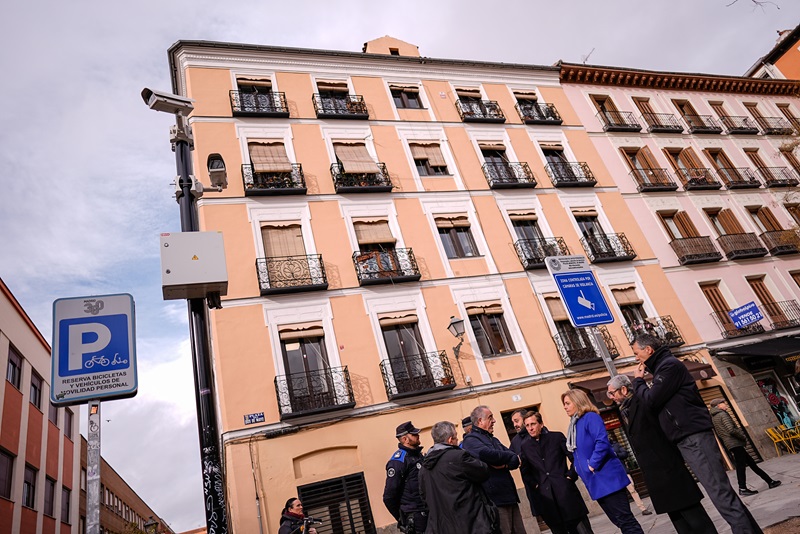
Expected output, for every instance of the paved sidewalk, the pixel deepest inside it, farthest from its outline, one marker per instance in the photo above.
(769, 506)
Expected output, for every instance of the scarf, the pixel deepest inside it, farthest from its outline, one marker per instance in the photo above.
(572, 437)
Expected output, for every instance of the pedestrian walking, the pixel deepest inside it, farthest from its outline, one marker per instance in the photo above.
(734, 439)
(672, 488)
(684, 418)
(601, 471)
(450, 484)
(500, 486)
(401, 492)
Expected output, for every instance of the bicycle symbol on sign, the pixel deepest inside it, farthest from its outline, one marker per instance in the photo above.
(99, 360)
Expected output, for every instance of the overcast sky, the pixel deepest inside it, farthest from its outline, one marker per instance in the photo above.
(87, 168)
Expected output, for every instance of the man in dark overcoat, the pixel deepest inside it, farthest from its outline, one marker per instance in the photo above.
(558, 500)
(517, 419)
(672, 488)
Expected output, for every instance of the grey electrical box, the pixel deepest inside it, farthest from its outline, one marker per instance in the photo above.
(193, 265)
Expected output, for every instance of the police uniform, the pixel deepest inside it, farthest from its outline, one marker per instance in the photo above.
(401, 493)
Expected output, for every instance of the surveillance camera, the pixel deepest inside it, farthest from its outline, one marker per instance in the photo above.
(217, 172)
(167, 102)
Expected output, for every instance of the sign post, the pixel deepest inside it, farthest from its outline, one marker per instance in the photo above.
(584, 301)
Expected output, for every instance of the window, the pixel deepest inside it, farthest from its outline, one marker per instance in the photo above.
(752, 107)
(354, 158)
(490, 330)
(68, 423)
(794, 211)
(407, 358)
(796, 277)
(717, 301)
(428, 159)
(14, 370)
(790, 116)
(631, 306)
(49, 496)
(394, 52)
(305, 361)
(456, 237)
(376, 245)
(755, 158)
(724, 221)
(29, 487)
(342, 504)
(606, 106)
(683, 159)
(526, 226)
(678, 225)
(719, 109)
(257, 96)
(36, 390)
(82, 525)
(269, 157)
(789, 156)
(557, 161)
(764, 220)
(6, 471)
(52, 413)
(83, 479)
(685, 109)
(65, 498)
(254, 87)
(405, 97)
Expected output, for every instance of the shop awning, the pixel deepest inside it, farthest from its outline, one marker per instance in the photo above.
(781, 347)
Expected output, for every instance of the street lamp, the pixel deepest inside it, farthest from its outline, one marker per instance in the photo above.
(151, 527)
(456, 327)
(187, 190)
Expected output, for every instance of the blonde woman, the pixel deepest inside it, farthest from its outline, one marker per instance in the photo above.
(597, 465)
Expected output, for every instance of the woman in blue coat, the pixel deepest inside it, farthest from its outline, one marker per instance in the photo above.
(597, 465)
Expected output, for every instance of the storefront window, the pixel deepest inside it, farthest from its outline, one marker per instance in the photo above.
(782, 405)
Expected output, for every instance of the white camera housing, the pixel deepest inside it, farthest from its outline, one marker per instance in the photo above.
(167, 102)
(217, 172)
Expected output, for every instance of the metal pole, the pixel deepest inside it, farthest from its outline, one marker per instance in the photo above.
(93, 469)
(213, 484)
(601, 346)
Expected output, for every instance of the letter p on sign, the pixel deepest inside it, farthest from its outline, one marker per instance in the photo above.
(84, 339)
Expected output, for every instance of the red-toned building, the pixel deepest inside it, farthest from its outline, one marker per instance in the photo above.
(39, 462)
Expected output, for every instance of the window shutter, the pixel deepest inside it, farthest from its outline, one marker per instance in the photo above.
(556, 308)
(768, 219)
(297, 331)
(355, 158)
(755, 158)
(716, 300)
(326, 85)
(452, 221)
(490, 308)
(626, 295)
(584, 212)
(644, 105)
(269, 157)
(373, 232)
(468, 93)
(430, 151)
(492, 145)
(395, 318)
(760, 289)
(283, 241)
(685, 225)
(729, 222)
(523, 216)
(690, 158)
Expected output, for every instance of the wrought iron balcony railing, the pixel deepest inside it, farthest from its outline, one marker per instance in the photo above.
(662, 123)
(782, 315)
(729, 330)
(570, 174)
(777, 176)
(258, 104)
(480, 111)
(417, 374)
(579, 346)
(532, 252)
(535, 113)
(508, 175)
(386, 266)
(693, 250)
(604, 248)
(290, 274)
(738, 178)
(781, 242)
(314, 391)
(340, 106)
(702, 124)
(361, 182)
(775, 126)
(739, 125)
(618, 121)
(663, 328)
(653, 180)
(741, 246)
(288, 182)
(698, 179)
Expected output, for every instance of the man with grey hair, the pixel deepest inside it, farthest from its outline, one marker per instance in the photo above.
(674, 398)
(450, 484)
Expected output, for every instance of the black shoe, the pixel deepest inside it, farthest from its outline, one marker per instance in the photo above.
(773, 484)
(746, 492)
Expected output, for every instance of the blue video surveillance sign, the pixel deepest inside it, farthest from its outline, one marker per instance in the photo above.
(580, 293)
(94, 349)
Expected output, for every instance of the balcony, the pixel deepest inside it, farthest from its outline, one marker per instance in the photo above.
(417, 374)
(273, 183)
(509, 175)
(698, 179)
(777, 176)
(694, 250)
(386, 266)
(480, 111)
(245, 104)
(781, 242)
(775, 126)
(340, 106)
(662, 123)
(535, 113)
(579, 346)
(314, 391)
(741, 246)
(782, 315)
(361, 182)
(649, 180)
(532, 252)
(605, 248)
(570, 174)
(663, 328)
(739, 126)
(738, 178)
(618, 121)
(291, 274)
(727, 328)
(702, 124)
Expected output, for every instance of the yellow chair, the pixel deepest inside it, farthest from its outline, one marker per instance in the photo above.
(778, 437)
(791, 433)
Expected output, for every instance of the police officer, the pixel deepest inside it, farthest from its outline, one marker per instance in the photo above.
(401, 494)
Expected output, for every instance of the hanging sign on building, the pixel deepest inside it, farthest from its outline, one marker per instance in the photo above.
(94, 349)
(746, 315)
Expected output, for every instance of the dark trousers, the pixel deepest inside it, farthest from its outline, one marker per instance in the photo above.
(743, 461)
(692, 520)
(573, 527)
(701, 453)
(418, 521)
(616, 507)
(511, 519)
